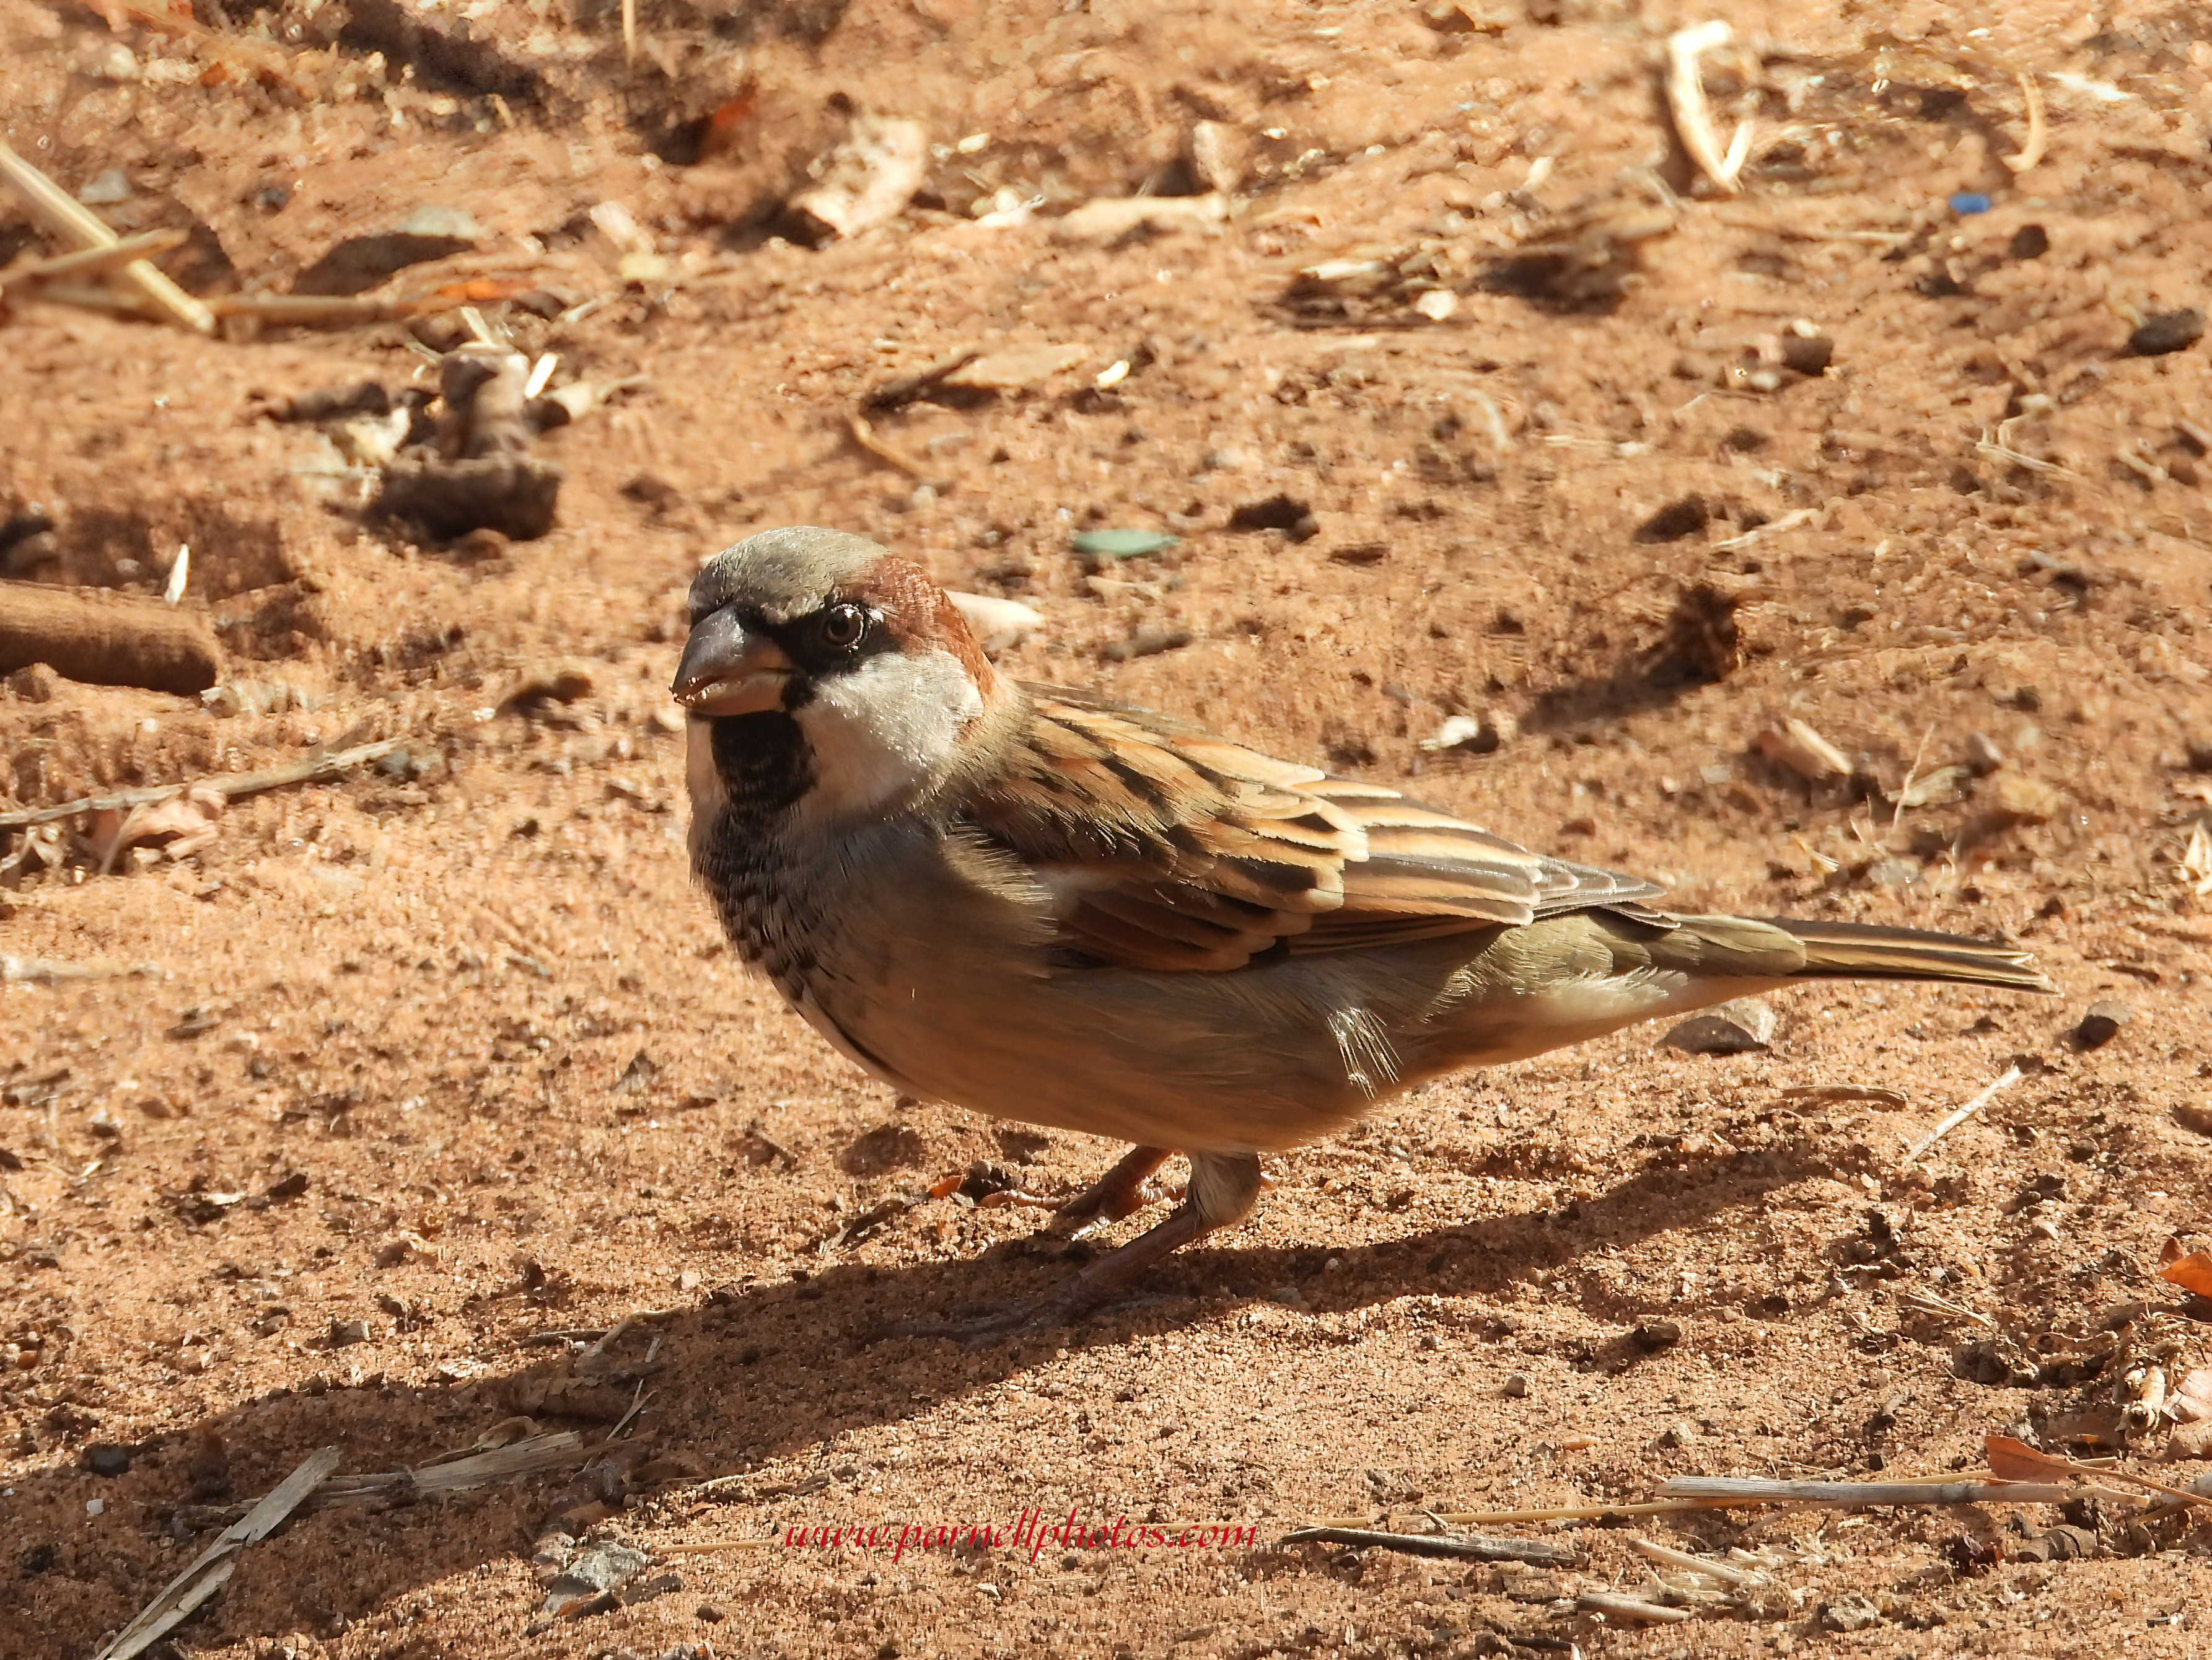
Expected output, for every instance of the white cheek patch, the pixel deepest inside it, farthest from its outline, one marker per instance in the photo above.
(879, 733)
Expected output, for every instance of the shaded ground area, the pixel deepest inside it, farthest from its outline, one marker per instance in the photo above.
(1475, 409)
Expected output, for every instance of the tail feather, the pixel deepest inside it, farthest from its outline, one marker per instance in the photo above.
(1856, 951)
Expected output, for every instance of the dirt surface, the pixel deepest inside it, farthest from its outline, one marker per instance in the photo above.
(401, 1072)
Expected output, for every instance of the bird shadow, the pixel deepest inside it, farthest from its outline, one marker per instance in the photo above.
(756, 1374)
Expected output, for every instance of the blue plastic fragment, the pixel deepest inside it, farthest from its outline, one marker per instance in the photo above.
(1970, 201)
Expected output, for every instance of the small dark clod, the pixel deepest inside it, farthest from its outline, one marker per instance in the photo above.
(1676, 521)
(2167, 331)
(1808, 355)
(1278, 512)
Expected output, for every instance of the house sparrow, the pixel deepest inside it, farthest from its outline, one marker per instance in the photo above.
(1046, 906)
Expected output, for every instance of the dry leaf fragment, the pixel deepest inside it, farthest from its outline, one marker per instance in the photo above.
(2191, 1405)
(2191, 1400)
(180, 826)
(2192, 1273)
(2014, 1460)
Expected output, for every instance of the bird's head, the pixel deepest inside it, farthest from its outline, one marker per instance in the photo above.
(843, 662)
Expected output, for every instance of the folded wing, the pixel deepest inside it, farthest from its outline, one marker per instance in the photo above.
(1167, 847)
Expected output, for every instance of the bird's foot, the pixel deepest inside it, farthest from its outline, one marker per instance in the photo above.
(1122, 1191)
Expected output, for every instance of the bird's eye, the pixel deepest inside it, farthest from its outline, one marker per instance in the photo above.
(843, 626)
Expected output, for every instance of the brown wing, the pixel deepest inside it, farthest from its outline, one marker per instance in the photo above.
(1168, 847)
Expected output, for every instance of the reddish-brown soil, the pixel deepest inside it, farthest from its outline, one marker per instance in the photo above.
(352, 1113)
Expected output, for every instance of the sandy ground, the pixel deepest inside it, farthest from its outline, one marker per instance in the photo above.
(410, 1072)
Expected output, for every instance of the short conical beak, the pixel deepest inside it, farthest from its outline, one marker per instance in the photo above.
(727, 670)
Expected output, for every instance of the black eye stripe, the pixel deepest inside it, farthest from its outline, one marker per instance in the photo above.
(818, 645)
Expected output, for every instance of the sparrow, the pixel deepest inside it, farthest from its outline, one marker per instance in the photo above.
(1047, 906)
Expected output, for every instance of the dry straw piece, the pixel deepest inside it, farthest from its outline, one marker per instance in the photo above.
(63, 214)
(1693, 116)
(209, 1571)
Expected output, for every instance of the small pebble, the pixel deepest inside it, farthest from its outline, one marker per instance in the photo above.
(35, 682)
(2102, 1023)
(1735, 1028)
(1849, 1612)
(107, 190)
(1680, 1433)
(2026, 801)
(1517, 1385)
(106, 1458)
(1658, 1333)
(1147, 641)
(1967, 203)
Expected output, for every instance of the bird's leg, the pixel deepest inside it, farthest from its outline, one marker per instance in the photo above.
(1122, 1191)
(1224, 1187)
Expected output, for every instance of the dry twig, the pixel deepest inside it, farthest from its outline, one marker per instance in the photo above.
(1538, 1551)
(1952, 1119)
(1873, 1092)
(1615, 1605)
(1725, 1492)
(863, 434)
(311, 771)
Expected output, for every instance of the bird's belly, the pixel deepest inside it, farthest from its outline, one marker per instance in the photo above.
(1178, 1061)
